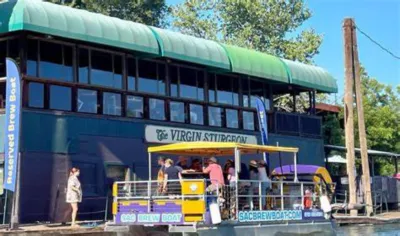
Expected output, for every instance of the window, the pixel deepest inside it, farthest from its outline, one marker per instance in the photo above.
(33, 54)
(173, 77)
(256, 90)
(232, 119)
(87, 177)
(87, 101)
(248, 120)
(177, 111)
(131, 64)
(106, 69)
(157, 109)
(161, 78)
(36, 95)
(112, 104)
(212, 96)
(55, 61)
(225, 92)
(83, 65)
(188, 83)
(3, 54)
(196, 114)
(134, 107)
(13, 49)
(149, 81)
(60, 98)
(246, 92)
(215, 116)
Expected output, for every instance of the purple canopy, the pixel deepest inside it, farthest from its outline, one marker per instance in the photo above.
(301, 169)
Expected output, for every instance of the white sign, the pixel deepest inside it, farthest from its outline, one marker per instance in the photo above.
(163, 134)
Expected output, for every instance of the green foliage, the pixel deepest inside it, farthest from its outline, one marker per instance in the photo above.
(332, 130)
(266, 26)
(149, 12)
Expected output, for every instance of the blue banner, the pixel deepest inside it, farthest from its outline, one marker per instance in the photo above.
(13, 113)
(262, 122)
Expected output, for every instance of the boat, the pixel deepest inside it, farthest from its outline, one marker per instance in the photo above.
(200, 207)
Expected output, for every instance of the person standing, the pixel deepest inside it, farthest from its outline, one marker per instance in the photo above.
(172, 174)
(74, 193)
(160, 174)
(215, 172)
(263, 176)
(253, 169)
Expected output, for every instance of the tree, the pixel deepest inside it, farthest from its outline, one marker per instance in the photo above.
(149, 12)
(382, 120)
(266, 26)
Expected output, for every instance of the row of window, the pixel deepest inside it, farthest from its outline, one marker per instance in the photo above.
(49, 60)
(112, 103)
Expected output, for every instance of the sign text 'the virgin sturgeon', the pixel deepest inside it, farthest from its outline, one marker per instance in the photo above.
(164, 134)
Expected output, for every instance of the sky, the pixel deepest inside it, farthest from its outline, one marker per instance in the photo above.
(380, 19)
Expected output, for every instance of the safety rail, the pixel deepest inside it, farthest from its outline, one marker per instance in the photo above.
(189, 201)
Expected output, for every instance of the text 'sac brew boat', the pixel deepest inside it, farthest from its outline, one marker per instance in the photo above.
(196, 206)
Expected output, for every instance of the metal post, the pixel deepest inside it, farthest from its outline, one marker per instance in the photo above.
(149, 185)
(282, 196)
(295, 168)
(15, 208)
(237, 170)
(106, 209)
(396, 168)
(259, 195)
(5, 206)
(302, 195)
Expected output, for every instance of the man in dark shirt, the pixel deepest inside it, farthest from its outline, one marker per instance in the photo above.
(171, 176)
(182, 162)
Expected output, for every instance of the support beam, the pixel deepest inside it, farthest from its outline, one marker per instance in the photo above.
(348, 111)
(361, 126)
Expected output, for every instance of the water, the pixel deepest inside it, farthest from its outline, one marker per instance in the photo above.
(370, 230)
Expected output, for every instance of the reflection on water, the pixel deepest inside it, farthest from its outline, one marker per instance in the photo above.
(367, 230)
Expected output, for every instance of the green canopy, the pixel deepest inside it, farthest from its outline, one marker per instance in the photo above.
(191, 49)
(311, 77)
(63, 21)
(262, 65)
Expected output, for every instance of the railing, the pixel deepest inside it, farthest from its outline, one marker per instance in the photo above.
(193, 198)
(298, 124)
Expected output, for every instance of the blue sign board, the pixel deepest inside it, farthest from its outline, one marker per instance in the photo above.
(262, 122)
(313, 214)
(153, 218)
(13, 113)
(263, 216)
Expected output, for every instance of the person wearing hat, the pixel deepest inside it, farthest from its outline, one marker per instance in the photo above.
(253, 168)
(215, 172)
(182, 163)
(263, 176)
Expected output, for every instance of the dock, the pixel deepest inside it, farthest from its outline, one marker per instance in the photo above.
(384, 218)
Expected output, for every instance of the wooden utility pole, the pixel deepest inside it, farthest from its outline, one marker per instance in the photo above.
(361, 127)
(348, 110)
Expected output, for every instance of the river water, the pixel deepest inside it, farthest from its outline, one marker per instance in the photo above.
(370, 230)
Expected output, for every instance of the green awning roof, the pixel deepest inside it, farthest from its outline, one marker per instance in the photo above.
(250, 62)
(53, 19)
(191, 49)
(311, 77)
